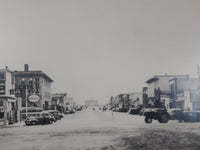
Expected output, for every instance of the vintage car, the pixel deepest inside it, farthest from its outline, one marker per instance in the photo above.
(69, 111)
(43, 118)
(56, 114)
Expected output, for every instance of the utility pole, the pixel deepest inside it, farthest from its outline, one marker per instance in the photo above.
(26, 92)
(198, 77)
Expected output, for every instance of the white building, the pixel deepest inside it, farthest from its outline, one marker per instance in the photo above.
(8, 105)
(162, 82)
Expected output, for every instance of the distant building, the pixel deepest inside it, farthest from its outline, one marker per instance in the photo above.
(70, 104)
(136, 99)
(123, 101)
(59, 101)
(91, 102)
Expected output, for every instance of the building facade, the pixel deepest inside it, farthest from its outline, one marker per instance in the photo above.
(160, 90)
(59, 101)
(185, 93)
(8, 103)
(136, 99)
(33, 89)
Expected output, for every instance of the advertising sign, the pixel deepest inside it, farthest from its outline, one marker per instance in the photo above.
(34, 98)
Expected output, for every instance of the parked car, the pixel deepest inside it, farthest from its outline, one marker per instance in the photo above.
(123, 109)
(104, 108)
(69, 111)
(52, 118)
(116, 109)
(60, 115)
(78, 108)
(55, 113)
(43, 118)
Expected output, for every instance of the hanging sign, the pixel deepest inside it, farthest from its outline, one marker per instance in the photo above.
(34, 98)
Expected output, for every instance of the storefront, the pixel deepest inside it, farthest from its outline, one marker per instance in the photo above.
(7, 110)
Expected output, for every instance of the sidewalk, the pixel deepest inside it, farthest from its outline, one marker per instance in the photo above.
(19, 124)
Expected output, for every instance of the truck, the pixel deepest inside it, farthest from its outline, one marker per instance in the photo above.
(160, 114)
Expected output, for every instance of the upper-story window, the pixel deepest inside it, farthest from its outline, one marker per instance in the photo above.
(2, 76)
(37, 80)
(172, 88)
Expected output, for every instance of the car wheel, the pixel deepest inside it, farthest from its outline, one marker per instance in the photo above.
(148, 120)
(33, 123)
(50, 122)
(163, 118)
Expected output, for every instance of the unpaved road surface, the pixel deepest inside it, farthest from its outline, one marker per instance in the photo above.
(96, 130)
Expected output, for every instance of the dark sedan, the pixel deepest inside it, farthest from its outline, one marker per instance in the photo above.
(40, 119)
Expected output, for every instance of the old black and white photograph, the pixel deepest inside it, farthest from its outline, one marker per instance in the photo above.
(99, 75)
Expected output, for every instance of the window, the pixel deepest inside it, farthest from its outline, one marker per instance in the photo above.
(1, 103)
(172, 87)
(2, 87)
(1, 115)
(2, 76)
(37, 80)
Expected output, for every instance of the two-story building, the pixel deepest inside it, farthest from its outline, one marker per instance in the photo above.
(159, 88)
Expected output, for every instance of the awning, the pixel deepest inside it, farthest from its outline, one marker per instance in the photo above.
(7, 96)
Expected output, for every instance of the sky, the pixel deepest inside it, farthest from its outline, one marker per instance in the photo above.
(95, 49)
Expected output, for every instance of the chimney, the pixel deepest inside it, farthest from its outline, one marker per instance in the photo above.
(26, 68)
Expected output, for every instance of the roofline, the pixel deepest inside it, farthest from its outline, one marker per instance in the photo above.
(152, 80)
(171, 76)
(36, 72)
(6, 70)
(156, 77)
(7, 96)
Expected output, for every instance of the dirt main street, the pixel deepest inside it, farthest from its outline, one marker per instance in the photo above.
(94, 130)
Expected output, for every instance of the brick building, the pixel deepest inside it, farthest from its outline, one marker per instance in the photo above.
(33, 89)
